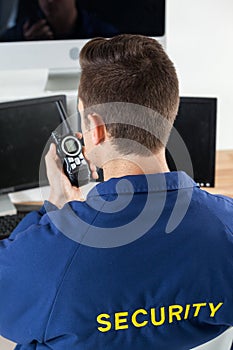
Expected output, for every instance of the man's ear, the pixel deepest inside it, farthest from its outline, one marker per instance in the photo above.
(97, 129)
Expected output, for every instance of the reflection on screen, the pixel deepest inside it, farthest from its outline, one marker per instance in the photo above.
(79, 19)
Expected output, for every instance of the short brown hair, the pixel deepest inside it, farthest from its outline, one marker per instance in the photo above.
(132, 69)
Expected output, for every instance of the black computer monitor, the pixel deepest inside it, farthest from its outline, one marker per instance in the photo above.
(196, 124)
(25, 128)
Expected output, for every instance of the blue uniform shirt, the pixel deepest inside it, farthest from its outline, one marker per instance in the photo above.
(165, 282)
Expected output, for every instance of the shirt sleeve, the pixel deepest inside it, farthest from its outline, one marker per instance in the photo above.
(32, 218)
(30, 276)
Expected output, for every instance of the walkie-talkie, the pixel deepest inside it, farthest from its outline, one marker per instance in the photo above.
(69, 149)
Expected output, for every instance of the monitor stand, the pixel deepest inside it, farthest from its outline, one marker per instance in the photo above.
(62, 80)
(6, 206)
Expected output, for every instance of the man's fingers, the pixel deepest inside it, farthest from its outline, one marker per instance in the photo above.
(53, 149)
(26, 26)
(92, 166)
(79, 135)
(39, 30)
(38, 25)
(95, 175)
(51, 154)
(33, 29)
(51, 158)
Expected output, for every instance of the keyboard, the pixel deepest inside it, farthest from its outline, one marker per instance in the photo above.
(9, 222)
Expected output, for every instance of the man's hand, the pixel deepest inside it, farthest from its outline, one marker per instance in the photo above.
(61, 190)
(37, 31)
(92, 167)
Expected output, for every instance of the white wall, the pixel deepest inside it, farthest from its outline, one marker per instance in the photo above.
(200, 43)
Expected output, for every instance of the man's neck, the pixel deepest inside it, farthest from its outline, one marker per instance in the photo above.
(137, 165)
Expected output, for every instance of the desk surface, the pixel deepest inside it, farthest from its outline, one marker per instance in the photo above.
(223, 174)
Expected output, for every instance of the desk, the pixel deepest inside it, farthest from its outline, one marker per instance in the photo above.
(223, 174)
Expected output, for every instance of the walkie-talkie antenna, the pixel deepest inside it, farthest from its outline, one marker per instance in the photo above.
(64, 117)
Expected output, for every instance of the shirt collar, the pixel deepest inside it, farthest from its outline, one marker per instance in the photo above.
(169, 181)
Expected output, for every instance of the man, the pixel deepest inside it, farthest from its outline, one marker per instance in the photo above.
(146, 260)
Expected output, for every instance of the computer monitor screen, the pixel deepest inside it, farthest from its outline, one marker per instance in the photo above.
(196, 124)
(25, 128)
(70, 19)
